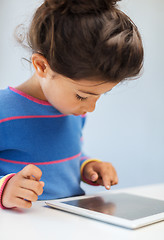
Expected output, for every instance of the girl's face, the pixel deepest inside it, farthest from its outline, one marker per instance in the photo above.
(73, 97)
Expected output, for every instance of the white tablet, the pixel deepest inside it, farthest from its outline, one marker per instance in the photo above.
(122, 209)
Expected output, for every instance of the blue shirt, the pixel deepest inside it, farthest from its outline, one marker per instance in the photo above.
(34, 132)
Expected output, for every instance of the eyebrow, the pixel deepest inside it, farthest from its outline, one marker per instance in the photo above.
(95, 94)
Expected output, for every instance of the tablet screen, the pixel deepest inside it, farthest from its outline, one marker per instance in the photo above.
(127, 206)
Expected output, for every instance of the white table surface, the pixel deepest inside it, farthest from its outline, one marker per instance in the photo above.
(41, 222)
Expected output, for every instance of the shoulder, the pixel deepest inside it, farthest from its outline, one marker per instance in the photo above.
(4, 92)
(5, 97)
(7, 102)
(10, 103)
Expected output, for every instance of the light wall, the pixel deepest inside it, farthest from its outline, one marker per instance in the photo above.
(127, 127)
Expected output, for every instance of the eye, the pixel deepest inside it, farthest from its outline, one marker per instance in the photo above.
(80, 98)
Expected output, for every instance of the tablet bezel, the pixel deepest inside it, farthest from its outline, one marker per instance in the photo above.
(130, 224)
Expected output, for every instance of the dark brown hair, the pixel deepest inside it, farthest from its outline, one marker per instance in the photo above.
(87, 38)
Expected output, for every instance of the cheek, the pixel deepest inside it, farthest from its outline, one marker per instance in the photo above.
(62, 99)
(66, 103)
(63, 102)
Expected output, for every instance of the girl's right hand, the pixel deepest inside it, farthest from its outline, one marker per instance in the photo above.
(23, 188)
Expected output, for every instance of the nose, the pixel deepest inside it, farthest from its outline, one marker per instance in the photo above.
(91, 107)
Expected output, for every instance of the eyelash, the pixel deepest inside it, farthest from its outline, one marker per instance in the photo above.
(80, 98)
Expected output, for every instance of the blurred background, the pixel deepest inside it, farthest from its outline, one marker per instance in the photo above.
(127, 127)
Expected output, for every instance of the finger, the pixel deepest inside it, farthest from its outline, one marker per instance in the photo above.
(114, 178)
(107, 185)
(115, 181)
(32, 178)
(42, 183)
(31, 171)
(108, 174)
(91, 175)
(107, 180)
(27, 194)
(100, 181)
(104, 176)
(32, 185)
(21, 203)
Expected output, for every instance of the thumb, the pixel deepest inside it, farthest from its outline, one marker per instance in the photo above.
(91, 175)
(42, 183)
(32, 172)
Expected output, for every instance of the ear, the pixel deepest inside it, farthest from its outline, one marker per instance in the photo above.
(40, 64)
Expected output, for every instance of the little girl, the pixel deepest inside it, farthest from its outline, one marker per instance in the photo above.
(80, 50)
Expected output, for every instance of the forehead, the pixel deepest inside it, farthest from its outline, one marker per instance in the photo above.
(93, 86)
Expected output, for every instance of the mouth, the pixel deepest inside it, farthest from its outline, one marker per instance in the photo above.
(78, 114)
(75, 114)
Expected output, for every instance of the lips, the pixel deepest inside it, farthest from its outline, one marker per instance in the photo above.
(78, 114)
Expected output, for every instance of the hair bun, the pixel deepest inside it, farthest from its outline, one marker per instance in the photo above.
(80, 6)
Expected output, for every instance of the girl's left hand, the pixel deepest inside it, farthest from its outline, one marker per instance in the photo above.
(102, 173)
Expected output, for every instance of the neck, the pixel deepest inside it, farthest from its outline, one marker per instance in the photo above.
(32, 87)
